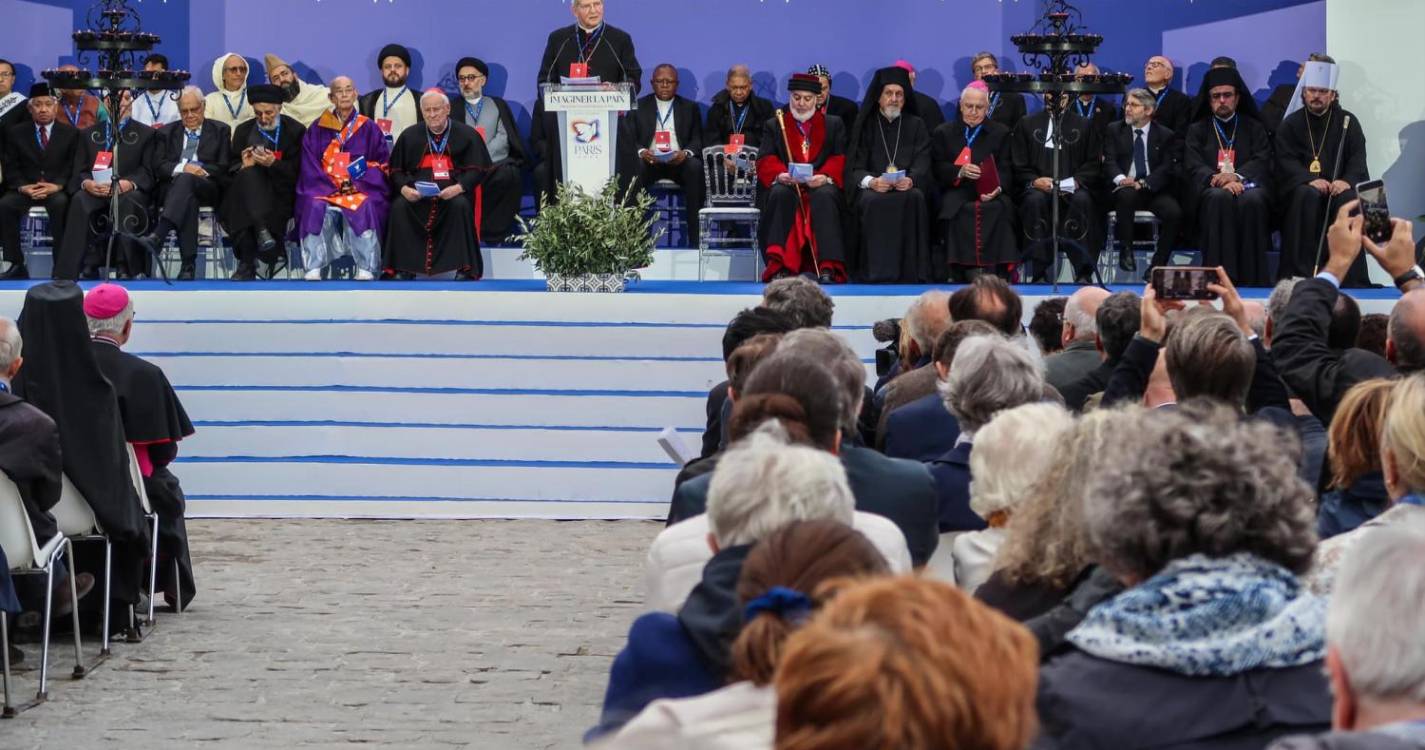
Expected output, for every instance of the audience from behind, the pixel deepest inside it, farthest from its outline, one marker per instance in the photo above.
(990, 374)
(1047, 323)
(1373, 654)
(1301, 345)
(989, 298)
(1402, 457)
(1078, 336)
(1276, 306)
(1044, 571)
(923, 324)
(1202, 516)
(787, 576)
(762, 483)
(808, 304)
(744, 325)
(1357, 485)
(1011, 454)
(1256, 317)
(1345, 325)
(1118, 319)
(803, 397)
(738, 367)
(923, 430)
(1375, 329)
(906, 663)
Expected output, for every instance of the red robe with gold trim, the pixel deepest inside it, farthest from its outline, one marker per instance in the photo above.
(801, 226)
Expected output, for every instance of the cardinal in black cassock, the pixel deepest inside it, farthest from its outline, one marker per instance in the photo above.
(1080, 173)
(890, 217)
(1311, 181)
(801, 222)
(1228, 164)
(62, 378)
(978, 226)
(154, 421)
(261, 197)
(431, 235)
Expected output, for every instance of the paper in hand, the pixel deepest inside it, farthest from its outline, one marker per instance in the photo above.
(427, 189)
(800, 172)
(103, 176)
(894, 177)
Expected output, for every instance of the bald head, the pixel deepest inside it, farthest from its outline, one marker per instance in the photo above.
(1081, 314)
(1405, 337)
(1256, 317)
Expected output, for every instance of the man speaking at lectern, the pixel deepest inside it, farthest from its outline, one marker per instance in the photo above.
(591, 49)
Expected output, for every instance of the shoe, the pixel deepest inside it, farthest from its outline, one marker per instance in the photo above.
(265, 242)
(1084, 278)
(1127, 262)
(313, 275)
(186, 272)
(17, 271)
(827, 277)
(89, 273)
(63, 604)
(123, 274)
(466, 276)
(275, 267)
(245, 272)
(364, 275)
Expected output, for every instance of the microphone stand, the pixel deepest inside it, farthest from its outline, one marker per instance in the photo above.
(1326, 213)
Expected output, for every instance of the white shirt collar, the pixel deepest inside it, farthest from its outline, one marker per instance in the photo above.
(1143, 128)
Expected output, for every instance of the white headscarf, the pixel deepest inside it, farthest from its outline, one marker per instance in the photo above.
(218, 71)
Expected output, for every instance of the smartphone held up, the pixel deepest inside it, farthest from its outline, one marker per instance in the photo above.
(1375, 213)
(1183, 282)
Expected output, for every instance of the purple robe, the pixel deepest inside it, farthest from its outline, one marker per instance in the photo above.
(314, 184)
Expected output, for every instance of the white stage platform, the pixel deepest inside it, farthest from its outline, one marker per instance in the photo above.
(448, 400)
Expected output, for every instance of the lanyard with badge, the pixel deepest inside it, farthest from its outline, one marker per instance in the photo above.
(439, 160)
(970, 136)
(242, 102)
(274, 138)
(152, 110)
(384, 121)
(475, 116)
(73, 114)
(1226, 147)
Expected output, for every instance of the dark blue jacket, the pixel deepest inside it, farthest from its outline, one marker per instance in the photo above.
(1344, 510)
(922, 430)
(952, 490)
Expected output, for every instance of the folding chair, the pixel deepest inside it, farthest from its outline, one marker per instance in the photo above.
(77, 523)
(732, 199)
(27, 557)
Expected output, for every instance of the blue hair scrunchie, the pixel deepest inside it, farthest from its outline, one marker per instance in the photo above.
(781, 601)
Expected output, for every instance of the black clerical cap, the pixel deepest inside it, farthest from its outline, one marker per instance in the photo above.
(265, 94)
(473, 62)
(40, 88)
(1202, 105)
(804, 82)
(394, 50)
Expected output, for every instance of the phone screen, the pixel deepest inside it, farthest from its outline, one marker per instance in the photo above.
(1375, 213)
(1184, 282)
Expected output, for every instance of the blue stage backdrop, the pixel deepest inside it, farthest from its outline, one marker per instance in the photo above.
(701, 37)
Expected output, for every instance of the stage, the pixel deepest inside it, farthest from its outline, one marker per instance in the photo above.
(490, 399)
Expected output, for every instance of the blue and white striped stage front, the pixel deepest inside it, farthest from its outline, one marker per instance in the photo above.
(491, 399)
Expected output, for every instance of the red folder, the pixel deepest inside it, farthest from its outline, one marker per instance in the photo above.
(989, 176)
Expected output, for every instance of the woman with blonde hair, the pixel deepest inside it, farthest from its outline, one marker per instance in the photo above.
(906, 664)
(1357, 484)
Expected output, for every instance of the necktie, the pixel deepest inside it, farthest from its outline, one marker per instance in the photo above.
(190, 146)
(44, 138)
(1140, 156)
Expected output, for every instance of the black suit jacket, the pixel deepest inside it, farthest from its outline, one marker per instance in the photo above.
(721, 124)
(25, 164)
(1316, 373)
(215, 150)
(1174, 110)
(1079, 159)
(135, 162)
(612, 58)
(20, 113)
(687, 124)
(29, 456)
(1162, 154)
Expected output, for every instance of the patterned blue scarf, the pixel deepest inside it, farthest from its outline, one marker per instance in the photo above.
(1205, 616)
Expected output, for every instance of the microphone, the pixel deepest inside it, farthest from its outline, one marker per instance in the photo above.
(544, 77)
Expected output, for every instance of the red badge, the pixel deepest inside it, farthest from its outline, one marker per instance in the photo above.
(663, 140)
(277, 155)
(735, 142)
(385, 126)
(1226, 159)
(103, 159)
(963, 158)
(340, 161)
(578, 70)
(481, 130)
(440, 167)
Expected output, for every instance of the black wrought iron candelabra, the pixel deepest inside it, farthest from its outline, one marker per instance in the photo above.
(108, 58)
(1057, 45)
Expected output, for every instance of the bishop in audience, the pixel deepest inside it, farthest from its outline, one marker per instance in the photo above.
(666, 131)
(497, 198)
(1005, 109)
(229, 104)
(889, 179)
(801, 217)
(974, 168)
(1227, 160)
(129, 170)
(192, 163)
(301, 101)
(155, 108)
(154, 422)
(342, 191)
(435, 168)
(260, 200)
(737, 111)
(38, 166)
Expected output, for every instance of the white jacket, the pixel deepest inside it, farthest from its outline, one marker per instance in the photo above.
(676, 558)
(740, 716)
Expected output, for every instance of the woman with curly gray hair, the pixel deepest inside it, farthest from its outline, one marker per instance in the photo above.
(1215, 643)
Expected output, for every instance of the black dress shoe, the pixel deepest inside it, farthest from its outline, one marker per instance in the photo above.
(1127, 262)
(89, 273)
(466, 275)
(17, 271)
(245, 272)
(186, 273)
(265, 242)
(827, 277)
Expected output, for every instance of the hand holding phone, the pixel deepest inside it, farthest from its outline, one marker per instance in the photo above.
(1184, 282)
(1374, 211)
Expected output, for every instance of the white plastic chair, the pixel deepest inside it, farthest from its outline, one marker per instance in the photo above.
(77, 523)
(27, 557)
(136, 476)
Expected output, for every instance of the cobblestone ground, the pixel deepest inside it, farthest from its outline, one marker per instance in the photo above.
(484, 634)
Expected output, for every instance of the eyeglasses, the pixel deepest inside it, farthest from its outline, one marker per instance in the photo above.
(242, 69)
(7, 75)
(470, 79)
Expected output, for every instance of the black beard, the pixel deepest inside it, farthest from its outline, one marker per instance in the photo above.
(290, 91)
(395, 85)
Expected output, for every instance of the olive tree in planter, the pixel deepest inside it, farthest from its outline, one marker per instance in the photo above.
(591, 243)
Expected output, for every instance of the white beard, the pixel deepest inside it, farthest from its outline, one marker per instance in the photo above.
(799, 117)
(891, 113)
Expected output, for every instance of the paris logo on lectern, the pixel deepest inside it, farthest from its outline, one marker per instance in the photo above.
(585, 131)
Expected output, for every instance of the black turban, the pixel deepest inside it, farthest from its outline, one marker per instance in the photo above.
(394, 50)
(265, 94)
(473, 62)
